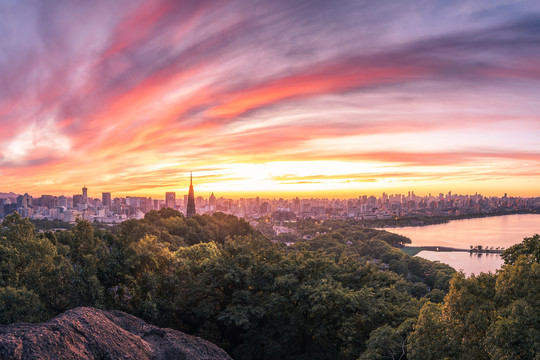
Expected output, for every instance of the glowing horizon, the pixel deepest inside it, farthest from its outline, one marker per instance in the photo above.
(270, 98)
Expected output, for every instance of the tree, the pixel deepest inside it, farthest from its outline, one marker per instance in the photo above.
(386, 342)
(515, 334)
(463, 320)
(18, 305)
(486, 316)
(29, 261)
(429, 340)
(529, 247)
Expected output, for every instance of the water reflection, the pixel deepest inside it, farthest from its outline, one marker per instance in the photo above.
(497, 231)
(466, 262)
(502, 231)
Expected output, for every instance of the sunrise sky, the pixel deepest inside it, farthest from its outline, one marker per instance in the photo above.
(303, 98)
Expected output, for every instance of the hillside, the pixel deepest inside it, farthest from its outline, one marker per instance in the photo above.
(347, 293)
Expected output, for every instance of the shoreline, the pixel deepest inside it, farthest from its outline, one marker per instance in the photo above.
(420, 221)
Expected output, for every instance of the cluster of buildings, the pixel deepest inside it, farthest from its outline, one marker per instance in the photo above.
(106, 210)
(111, 210)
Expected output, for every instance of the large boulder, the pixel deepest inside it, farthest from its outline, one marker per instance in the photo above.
(88, 333)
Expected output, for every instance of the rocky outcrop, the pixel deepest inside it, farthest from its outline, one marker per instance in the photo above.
(88, 333)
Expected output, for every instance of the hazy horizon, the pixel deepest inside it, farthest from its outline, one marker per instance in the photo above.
(284, 195)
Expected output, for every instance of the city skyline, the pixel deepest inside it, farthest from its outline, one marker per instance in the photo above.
(279, 99)
(173, 197)
(109, 210)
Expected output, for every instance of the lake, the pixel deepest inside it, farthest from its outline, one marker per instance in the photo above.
(496, 231)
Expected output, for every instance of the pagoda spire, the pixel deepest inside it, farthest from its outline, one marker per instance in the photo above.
(190, 209)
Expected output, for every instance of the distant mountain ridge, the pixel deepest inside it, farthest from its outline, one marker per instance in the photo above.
(8, 195)
(88, 333)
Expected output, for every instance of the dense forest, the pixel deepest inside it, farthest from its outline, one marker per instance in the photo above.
(347, 293)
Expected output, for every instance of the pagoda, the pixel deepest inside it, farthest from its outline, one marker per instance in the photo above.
(190, 211)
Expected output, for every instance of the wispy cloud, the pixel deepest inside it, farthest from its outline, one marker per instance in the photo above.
(147, 90)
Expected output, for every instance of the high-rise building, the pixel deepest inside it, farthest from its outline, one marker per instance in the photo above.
(190, 211)
(106, 199)
(62, 201)
(77, 199)
(24, 200)
(170, 200)
(199, 202)
(48, 201)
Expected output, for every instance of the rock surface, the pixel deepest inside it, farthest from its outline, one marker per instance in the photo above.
(88, 333)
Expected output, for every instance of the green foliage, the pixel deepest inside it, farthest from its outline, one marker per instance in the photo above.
(348, 293)
(50, 224)
(393, 239)
(19, 305)
(170, 226)
(516, 332)
(486, 316)
(430, 341)
(367, 246)
(529, 247)
(31, 261)
(386, 342)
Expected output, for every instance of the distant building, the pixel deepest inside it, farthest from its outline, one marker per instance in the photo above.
(190, 210)
(265, 208)
(24, 200)
(170, 200)
(199, 202)
(77, 199)
(106, 199)
(212, 202)
(48, 201)
(63, 201)
(146, 204)
(84, 197)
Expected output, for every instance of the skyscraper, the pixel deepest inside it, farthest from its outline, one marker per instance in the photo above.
(84, 191)
(106, 199)
(190, 211)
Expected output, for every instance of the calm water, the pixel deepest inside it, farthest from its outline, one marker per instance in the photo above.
(502, 231)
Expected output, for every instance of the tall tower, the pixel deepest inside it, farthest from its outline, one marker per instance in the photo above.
(84, 191)
(190, 211)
